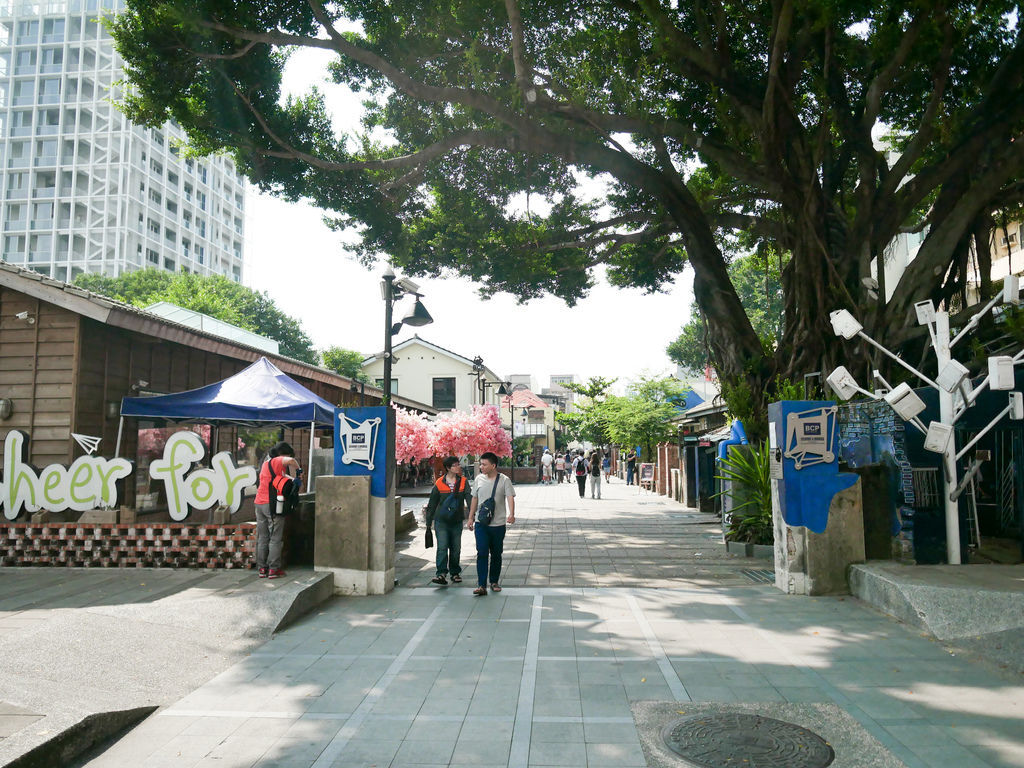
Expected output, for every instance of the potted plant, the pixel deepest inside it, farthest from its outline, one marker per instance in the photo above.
(751, 527)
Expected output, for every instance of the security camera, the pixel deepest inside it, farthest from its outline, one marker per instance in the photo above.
(26, 317)
(844, 324)
(407, 285)
(842, 383)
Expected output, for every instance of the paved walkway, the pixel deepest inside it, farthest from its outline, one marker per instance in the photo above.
(551, 675)
(78, 643)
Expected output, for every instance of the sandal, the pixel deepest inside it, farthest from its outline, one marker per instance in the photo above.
(456, 579)
(495, 588)
(439, 580)
(480, 591)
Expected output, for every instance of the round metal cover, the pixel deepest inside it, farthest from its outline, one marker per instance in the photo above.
(734, 740)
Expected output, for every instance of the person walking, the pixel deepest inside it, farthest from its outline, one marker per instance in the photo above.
(490, 487)
(546, 462)
(446, 511)
(280, 461)
(606, 465)
(595, 474)
(560, 468)
(631, 458)
(579, 469)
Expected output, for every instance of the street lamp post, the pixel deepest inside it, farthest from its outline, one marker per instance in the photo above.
(393, 289)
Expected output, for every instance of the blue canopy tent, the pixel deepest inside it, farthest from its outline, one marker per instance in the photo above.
(258, 396)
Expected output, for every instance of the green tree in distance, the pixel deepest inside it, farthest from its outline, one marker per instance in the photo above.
(586, 423)
(213, 295)
(347, 362)
(757, 280)
(822, 129)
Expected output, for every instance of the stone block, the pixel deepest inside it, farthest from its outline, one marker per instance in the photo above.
(808, 563)
(355, 536)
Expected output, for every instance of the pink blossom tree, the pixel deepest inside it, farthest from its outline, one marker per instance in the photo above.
(412, 436)
(453, 433)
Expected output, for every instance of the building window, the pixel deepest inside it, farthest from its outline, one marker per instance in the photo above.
(444, 392)
(152, 256)
(394, 385)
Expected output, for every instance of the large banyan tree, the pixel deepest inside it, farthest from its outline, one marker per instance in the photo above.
(820, 128)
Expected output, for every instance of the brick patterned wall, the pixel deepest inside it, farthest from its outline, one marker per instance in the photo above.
(107, 545)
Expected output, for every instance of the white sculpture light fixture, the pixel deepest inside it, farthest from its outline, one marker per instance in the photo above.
(953, 385)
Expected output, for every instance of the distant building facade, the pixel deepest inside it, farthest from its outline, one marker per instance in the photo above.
(82, 189)
(430, 373)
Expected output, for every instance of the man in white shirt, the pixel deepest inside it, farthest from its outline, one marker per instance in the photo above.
(545, 466)
(490, 536)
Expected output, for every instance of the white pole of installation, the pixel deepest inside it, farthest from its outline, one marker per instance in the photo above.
(952, 505)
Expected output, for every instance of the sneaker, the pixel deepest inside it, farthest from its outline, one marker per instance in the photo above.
(263, 573)
(439, 579)
(276, 573)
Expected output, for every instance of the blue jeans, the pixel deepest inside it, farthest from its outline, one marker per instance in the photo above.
(449, 547)
(630, 471)
(490, 541)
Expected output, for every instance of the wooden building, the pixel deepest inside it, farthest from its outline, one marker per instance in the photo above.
(68, 356)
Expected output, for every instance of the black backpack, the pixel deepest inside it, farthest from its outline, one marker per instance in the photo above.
(285, 487)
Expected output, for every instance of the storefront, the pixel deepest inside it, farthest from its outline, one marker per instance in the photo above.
(67, 359)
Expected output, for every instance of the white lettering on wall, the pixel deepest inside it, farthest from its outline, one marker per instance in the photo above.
(223, 483)
(89, 482)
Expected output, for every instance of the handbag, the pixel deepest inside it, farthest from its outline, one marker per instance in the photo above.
(486, 511)
(430, 539)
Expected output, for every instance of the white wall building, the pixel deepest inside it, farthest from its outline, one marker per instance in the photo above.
(81, 188)
(427, 373)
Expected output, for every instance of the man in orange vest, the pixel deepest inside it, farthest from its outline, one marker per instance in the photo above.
(446, 511)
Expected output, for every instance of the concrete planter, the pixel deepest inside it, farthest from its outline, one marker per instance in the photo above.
(766, 551)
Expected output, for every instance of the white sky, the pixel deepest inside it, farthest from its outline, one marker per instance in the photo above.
(307, 270)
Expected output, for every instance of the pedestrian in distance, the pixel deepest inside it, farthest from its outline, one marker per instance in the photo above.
(631, 458)
(560, 468)
(280, 461)
(606, 465)
(546, 465)
(492, 510)
(595, 474)
(579, 469)
(446, 511)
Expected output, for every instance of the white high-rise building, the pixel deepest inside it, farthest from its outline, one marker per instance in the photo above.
(81, 188)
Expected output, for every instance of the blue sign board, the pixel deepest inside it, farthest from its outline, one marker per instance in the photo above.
(804, 439)
(361, 445)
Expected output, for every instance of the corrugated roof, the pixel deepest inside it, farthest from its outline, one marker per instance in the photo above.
(103, 309)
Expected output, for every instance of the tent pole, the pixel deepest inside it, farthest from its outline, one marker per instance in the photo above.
(309, 478)
(120, 429)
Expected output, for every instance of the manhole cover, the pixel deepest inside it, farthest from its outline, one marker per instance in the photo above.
(751, 741)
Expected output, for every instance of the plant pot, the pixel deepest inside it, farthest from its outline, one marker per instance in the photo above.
(738, 548)
(766, 551)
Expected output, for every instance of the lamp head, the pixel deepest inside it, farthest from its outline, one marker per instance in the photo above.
(842, 383)
(845, 324)
(905, 402)
(418, 316)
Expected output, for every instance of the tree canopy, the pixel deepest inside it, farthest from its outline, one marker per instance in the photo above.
(824, 129)
(347, 362)
(212, 295)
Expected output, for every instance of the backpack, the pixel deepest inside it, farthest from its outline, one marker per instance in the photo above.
(581, 466)
(284, 486)
(448, 510)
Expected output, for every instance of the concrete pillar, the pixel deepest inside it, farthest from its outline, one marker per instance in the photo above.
(808, 563)
(355, 536)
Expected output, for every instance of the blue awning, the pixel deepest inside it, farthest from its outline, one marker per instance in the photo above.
(260, 395)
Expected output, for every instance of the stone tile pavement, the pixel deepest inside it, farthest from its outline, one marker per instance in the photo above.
(545, 674)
